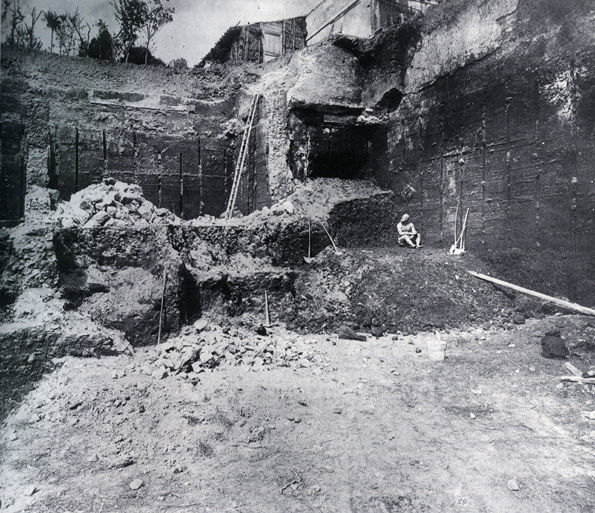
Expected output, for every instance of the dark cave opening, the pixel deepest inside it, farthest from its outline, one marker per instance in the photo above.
(332, 145)
(337, 152)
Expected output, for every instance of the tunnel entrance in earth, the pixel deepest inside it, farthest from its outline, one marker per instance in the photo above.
(332, 145)
(337, 151)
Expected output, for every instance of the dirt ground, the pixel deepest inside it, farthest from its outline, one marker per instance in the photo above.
(373, 426)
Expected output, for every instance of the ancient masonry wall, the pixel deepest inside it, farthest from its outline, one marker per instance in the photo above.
(498, 117)
(66, 122)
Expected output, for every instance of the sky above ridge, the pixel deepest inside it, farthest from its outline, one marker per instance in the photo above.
(197, 25)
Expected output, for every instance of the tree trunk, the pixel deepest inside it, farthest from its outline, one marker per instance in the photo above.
(52, 42)
(146, 55)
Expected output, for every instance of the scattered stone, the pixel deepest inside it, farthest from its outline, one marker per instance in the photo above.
(75, 405)
(338, 411)
(288, 207)
(518, 318)
(201, 324)
(136, 484)
(553, 345)
(512, 485)
(159, 373)
(262, 331)
(589, 415)
(32, 490)
(123, 462)
(347, 333)
(93, 458)
(377, 331)
(417, 350)
(257, 434)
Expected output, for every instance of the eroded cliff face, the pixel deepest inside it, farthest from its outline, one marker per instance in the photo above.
(478, 29)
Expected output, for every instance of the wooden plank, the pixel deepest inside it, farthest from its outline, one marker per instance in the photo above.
(577, 379)
(560, 302)
(573, 370)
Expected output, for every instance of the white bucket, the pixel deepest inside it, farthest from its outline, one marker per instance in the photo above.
(436, 349)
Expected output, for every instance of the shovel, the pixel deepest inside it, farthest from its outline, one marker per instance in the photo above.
(458, 248)
(309, 258)
(337, 252)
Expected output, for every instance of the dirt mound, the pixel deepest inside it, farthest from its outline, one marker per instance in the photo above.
(112, 204)
(397, 290)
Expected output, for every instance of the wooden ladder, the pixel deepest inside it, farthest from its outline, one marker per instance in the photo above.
(237, 176)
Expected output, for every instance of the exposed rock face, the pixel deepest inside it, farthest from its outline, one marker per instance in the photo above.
(494, 119)
(478, 30)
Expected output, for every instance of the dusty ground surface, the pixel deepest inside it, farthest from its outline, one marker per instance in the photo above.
(371, 426)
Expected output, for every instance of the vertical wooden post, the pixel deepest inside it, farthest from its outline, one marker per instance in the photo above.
(104, 145)
(421, 195)
(76, 160)
(23, 186)
(159, 169)
(162, 304)
(200, 178)
(225, 174)
(537, 199)
(508, 177)
(442, 188)
(135, 153)
(181, 188)
(267, 313)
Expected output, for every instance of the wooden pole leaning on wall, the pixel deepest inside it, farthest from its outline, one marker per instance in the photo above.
(560, 302)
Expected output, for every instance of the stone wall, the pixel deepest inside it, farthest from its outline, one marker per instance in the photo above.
(72, 121)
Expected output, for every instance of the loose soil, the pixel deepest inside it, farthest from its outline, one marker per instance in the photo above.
(371, 426)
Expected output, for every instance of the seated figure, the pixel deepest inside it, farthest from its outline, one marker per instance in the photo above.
(408, 236)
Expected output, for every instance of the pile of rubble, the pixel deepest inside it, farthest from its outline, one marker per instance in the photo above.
(201, 347)
(112, 204)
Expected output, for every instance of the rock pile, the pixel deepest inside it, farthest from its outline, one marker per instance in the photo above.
(112, 204)
(197, 349)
